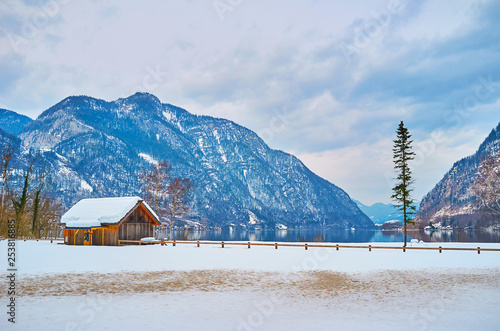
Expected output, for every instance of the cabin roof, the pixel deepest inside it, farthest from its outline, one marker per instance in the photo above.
(90, 213)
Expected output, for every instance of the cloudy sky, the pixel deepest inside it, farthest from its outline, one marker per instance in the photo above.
(326, 80)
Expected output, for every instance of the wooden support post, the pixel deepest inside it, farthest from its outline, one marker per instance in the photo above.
(440, 249)
(248, 244)
(305, 246)
(198, 243)
(162, 242)
(337, 246)
(173, 243)
(222, 244)
(51, 241)
(479, 250)
(404, 249)
(275, 245)
(369, 248)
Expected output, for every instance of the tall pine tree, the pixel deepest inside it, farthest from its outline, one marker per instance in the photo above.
(403, 153)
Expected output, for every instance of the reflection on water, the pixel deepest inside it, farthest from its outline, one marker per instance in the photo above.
(351, 236)
(458, 236)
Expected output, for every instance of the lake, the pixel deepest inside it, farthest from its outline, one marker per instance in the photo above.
(337, 236)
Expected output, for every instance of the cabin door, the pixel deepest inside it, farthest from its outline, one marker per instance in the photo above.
(87, 238)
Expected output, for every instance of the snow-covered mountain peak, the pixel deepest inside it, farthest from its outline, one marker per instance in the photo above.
(107, 144)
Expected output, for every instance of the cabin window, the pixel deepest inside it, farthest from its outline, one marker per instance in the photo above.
(131, 218)
(140, 218)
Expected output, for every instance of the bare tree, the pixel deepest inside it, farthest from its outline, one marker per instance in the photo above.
(486, 187)
(45, 209)
(27, 193)
(155, 185)
(48, 210)
(7, 150)
(177, 204)
(168, 197)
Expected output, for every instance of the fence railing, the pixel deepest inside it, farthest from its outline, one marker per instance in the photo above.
(305, 246)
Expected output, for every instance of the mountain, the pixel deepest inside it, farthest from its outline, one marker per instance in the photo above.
(13, 123)
(451, 202)
(380, 213)
(96, 148)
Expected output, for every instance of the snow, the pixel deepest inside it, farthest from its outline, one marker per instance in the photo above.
(85, 186)
(148, 239)
(84, 223)
(148, 158)
(168, 116)
(236, 288)
(223, 156)
(220, 149)
(92, 212)
(43, 257)
(252, 218)
(217, 137)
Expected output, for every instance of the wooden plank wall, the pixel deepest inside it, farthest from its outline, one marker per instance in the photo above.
(97, 237)
(111, 235)
(70, 237)
(78, 237)
(138, 225)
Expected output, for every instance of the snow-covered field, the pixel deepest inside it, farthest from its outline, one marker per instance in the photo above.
(235, 288)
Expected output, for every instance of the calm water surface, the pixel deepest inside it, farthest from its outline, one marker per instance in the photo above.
(342, 236)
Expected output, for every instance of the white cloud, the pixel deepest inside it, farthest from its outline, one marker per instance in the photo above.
(364, 171)
(275, 67)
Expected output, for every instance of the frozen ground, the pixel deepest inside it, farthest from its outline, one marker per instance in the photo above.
(236, 288)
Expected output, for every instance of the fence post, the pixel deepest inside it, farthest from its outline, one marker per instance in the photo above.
(162, 243)
(369, 248)
(440, 249)
(276, 245)
(173, 243)
(479, 250)
(337, 246)
(222, 244)
(305, 245)
(198, 243)
(248, 244)
(404, 249)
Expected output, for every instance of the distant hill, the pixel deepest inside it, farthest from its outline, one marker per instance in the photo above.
(12, 122)
(380, 213)
(97, 148)
(451, 202)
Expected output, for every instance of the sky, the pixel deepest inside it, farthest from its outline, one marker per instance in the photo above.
(326, 80)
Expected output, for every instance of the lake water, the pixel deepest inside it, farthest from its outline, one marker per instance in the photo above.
(337, 236)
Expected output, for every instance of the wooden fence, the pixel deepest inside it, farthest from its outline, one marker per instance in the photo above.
(306, 246)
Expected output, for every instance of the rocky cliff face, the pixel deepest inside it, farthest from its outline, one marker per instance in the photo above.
(451, 202)
(97, 148)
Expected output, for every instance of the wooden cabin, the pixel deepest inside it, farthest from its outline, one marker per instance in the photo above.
(108, 221)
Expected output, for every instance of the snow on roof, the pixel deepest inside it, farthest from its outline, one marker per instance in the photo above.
(88, 213)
